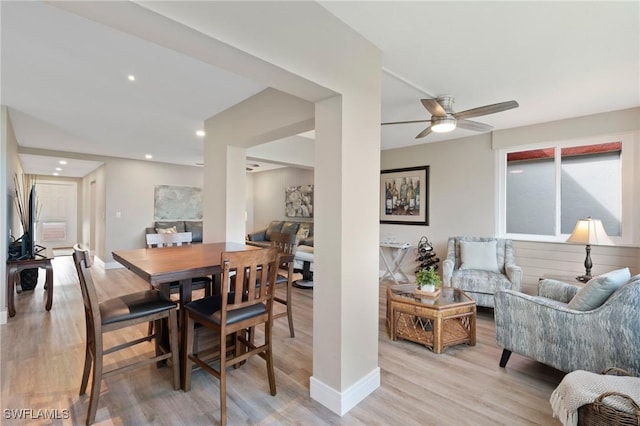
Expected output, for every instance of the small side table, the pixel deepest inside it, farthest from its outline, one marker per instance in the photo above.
(13, 272)
(569, 279)
(436, 322)
(401, 250)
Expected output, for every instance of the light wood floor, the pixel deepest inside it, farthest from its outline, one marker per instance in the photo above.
(42, 354)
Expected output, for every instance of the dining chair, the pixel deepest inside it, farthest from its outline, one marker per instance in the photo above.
(244, 302)
(115, 314)
(177, 239)
(286, 243)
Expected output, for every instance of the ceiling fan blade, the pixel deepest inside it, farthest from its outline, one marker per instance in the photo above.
(424, 133)
(404, 122)
(473, 125)
(433, 107)
(487, 109)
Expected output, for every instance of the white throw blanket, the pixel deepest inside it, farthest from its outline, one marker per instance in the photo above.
(579, 388)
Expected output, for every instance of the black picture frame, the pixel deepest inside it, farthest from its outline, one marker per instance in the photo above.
(407, 205)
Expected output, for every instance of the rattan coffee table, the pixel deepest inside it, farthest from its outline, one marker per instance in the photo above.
(436, 322)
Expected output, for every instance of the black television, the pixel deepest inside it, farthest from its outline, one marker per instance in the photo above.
(29, 246)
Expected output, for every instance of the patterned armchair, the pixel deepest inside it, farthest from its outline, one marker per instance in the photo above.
(480, 267)
(547, 329)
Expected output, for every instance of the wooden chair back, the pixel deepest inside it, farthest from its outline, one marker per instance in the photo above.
(82, 262)
(286, 243)
(167, 240)
(248, 276)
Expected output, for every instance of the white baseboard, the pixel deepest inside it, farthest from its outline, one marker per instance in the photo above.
(341, 402)
(111, 265)
(3, 316)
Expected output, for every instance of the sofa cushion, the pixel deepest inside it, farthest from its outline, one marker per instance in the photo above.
(274, 226)
(179, 224)
(598, 290)
(195, 228)
(479, 256)
(290, 227)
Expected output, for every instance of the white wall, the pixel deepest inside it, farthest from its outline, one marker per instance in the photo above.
(9, 166)
(463, 195)
(130, 191)
(461, 191)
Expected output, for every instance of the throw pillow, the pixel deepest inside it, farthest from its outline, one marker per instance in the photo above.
(479, 255)
(598, 290)
(171, 230)
(303, 232)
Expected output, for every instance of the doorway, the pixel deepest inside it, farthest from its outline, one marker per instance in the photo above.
(57, 214)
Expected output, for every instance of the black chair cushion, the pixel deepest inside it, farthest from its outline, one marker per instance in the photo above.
(209, 308)
(134, 305)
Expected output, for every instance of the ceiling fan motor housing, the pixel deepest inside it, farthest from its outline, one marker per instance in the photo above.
(446, 102)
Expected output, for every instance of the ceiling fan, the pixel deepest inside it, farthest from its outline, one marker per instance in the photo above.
(443, 119)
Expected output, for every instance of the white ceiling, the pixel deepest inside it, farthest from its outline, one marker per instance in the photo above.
(64, 77)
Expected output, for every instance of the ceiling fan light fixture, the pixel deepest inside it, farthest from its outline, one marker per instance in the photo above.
(443, 125)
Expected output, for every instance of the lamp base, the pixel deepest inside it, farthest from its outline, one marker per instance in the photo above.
(584, 278)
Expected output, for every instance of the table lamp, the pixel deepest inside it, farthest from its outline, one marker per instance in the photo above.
(589, 231)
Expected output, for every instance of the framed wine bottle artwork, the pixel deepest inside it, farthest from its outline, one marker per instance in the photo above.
(404, 196)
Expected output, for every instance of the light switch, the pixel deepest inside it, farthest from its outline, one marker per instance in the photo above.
(118, 215)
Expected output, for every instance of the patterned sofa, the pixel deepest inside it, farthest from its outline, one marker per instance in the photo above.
(550, 329)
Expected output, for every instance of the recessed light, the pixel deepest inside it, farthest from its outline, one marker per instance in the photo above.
(200, 133)
(148, 156)
(63, 162)
(58, 169)
(56, 174)
(131, 77)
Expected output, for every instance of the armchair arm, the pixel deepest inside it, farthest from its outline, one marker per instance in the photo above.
(258, 235)
(557, 290)
(514, 273)
(447, 271)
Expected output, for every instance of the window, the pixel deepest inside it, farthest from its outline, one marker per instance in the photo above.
(544, 191)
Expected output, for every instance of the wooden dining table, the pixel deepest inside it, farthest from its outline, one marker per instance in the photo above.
(163, 265)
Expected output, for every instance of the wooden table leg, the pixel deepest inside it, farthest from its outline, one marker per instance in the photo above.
(185, 297)
(472, 331)
(437, 334)
(11, 289)
(49, 285)
(161, 328)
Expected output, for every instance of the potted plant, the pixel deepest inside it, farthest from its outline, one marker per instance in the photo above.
(428, 280)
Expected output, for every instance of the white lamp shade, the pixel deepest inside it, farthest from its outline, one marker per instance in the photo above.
(443, 125)
(589, 231)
